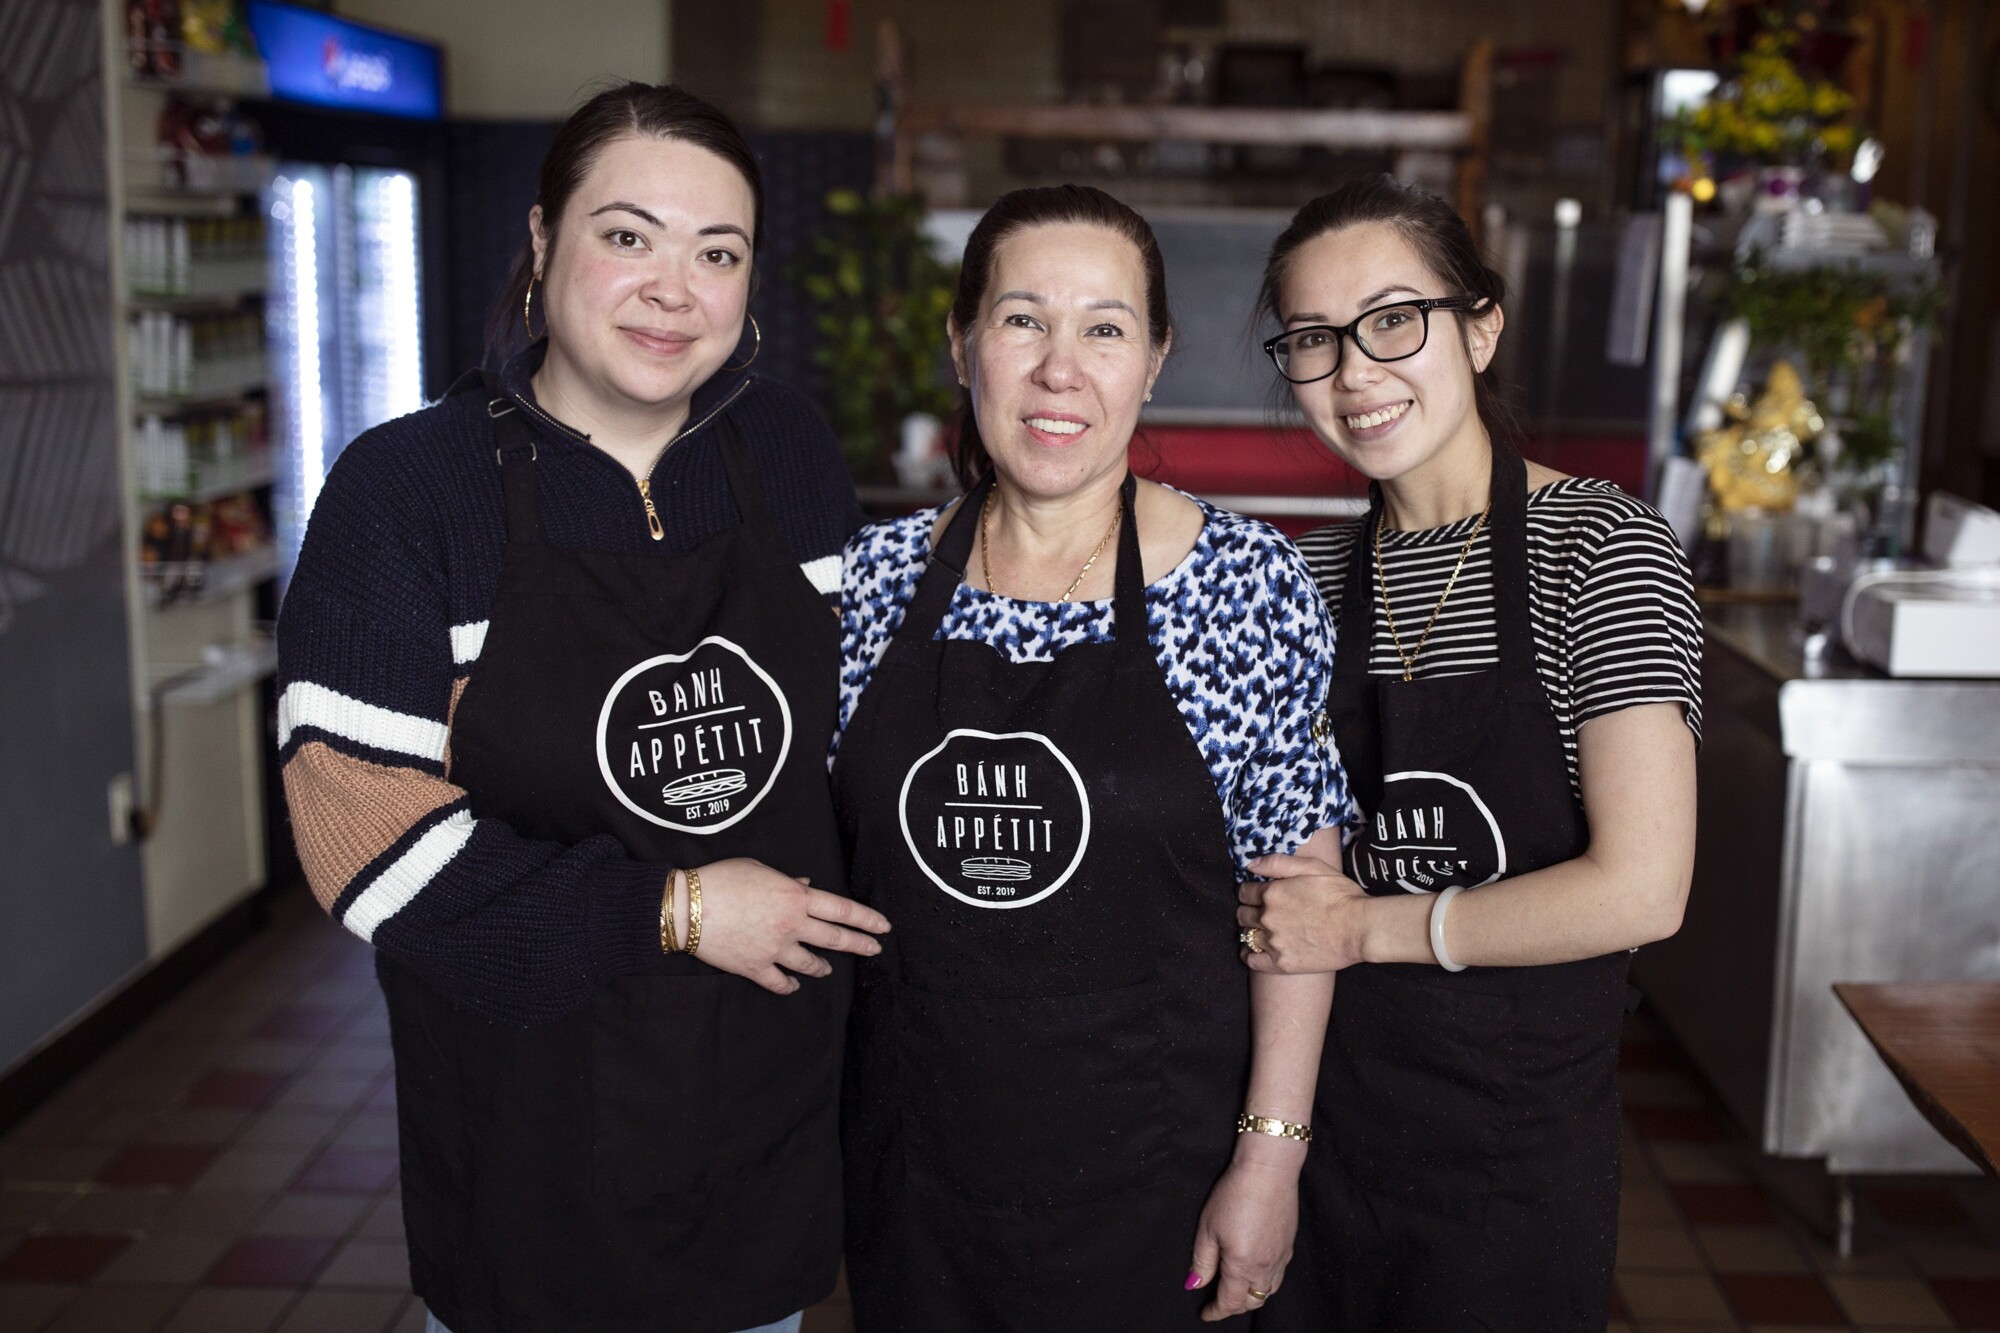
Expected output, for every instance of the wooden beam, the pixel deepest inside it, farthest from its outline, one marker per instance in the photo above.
(1446, 131)
(1475, 101)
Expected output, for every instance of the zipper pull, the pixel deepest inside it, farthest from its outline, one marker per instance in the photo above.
(652, 514)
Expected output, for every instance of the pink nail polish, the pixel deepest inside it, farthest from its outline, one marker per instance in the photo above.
(1193, 1281)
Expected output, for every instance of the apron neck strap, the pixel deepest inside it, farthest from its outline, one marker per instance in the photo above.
(1507, 529)
(946, 569)
(1129, 580)
(515, 451)
(954, 550)
(744, 488)
(1355, 635)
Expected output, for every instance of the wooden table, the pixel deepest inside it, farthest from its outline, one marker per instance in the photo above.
(1942, 1041)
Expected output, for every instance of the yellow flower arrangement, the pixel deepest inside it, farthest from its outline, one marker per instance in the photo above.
(1769, 112)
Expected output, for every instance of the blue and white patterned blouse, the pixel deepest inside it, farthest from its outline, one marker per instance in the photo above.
(1240, 632)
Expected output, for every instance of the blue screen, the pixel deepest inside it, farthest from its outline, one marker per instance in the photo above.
(331, 62)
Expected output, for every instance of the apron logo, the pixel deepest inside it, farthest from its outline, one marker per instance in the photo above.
(1432, 831)
(996, 820)
(693, 741)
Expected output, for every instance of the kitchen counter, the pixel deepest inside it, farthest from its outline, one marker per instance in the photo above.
(1849, 831)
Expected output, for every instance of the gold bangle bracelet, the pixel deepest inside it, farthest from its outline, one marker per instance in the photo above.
(1281, 1129)
(694, 909)
(668, 943)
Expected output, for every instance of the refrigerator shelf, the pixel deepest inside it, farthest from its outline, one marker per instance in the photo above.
(225, 671)
(166, 173)
(219, 380)
(213, 481)
(201, 73)
(152, 405)
(175, 302)
(210, 282)
(194, 582)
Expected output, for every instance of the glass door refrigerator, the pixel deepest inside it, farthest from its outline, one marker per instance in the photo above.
(345, 322)
(352, 213)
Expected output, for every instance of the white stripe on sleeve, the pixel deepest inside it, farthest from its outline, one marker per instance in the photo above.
(392, 890)
(467, 640)
(823, 573)
(306, 704)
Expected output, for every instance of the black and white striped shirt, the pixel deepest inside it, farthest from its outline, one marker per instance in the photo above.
(1610, 602)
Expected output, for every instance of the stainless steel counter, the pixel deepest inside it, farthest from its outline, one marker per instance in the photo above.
(1849, 831)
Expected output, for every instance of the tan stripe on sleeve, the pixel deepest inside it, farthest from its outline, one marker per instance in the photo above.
(347, 811)
(451, 715)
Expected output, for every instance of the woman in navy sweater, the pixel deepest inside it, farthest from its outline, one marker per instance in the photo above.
(559, 670)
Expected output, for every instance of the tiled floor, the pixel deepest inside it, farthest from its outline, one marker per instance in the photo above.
(1702, 1248)
(231, 1168)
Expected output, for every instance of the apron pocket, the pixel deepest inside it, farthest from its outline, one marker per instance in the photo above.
(1426, 1065)
(655, 1064)
(1033, 1101)
(778, 1096)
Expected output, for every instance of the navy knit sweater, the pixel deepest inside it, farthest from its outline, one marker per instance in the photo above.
(383, 625)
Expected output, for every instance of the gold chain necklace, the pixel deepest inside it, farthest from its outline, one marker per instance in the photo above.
(1410, 659)
(986, 563)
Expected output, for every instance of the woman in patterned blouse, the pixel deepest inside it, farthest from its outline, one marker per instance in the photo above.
(1075, 706)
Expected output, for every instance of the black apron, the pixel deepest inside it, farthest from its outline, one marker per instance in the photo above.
(1465, 1173)
(666, 1156)
(1049, 1055)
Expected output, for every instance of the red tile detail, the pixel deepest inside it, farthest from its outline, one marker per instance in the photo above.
(1677, 1122)
(1723, 1205)
(302, 1022)
(1973, 1302)
(271, 1261)
(1917, 1206)
(171, 1164)
(350, 1171)
(1636, 1054)
(61, 1258)
(1780, 1298)
(245, 1089)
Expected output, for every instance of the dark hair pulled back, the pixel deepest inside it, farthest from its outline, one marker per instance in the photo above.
(1433, 228)
(1041, 206)
(626, 111)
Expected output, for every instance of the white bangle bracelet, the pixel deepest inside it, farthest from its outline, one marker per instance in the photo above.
(1438, 906)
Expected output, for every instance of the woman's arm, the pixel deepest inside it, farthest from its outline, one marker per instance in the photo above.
(1244, 1241)
(371, 667)
(1636, 768)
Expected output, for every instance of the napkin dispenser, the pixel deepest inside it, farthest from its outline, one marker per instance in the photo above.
(1926, 622)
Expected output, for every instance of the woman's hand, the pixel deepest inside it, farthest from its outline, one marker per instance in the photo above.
(1244, 1238)
(756, 920)
(1308, 913)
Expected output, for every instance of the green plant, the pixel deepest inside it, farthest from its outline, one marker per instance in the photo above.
(880, 296)
(1852, 329)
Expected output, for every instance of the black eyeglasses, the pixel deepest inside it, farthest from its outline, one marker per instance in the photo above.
(1386, 333)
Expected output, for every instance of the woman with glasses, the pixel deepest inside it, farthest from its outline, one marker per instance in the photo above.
(1515, 700)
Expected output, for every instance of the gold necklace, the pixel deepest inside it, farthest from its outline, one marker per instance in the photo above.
(1410, 659)
(986, 563)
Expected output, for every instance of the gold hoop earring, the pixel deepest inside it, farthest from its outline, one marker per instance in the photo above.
(755, 347)
(527, 304)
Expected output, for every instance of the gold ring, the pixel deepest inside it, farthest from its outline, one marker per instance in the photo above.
(1259, 1296)
(1248, 938)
